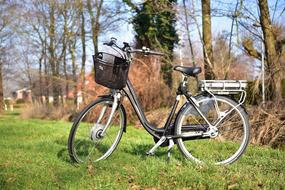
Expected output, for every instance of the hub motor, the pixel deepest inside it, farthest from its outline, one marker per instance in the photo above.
(96, 132)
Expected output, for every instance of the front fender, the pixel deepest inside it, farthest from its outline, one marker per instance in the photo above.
(110, 96)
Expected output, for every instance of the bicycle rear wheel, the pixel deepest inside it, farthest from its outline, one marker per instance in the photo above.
(233, 131)
(86, 142)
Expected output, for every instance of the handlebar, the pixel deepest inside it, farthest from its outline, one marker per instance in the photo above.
(146, 52)
(127, 48)
(111, 43)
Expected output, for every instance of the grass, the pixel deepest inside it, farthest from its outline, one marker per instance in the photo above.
(33, 155)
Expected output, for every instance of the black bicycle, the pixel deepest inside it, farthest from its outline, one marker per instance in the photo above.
(211, 127)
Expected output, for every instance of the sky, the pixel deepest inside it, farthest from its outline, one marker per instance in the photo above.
(219, 24)
(126, 33)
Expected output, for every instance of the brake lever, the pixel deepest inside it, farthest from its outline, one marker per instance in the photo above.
(113, 39)
(111, 43)
(126, 45)
(145, 50)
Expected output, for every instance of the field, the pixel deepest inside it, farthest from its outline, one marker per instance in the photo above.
(33, 155)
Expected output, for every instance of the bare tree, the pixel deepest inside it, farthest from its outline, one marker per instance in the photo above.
(83, 45)
(65, 40)
(273, 47)
(52, 54)
(207, 39)
(6, 12)
(95, 15)
(39, 27)
(187, 24)
(273, 63)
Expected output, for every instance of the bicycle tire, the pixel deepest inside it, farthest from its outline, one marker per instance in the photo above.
(185, 147)
(88, 140)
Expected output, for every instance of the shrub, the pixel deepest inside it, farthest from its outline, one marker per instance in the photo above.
(20, 101)
(152, 92)
(43, 111)
(268, 125)
(8, 101)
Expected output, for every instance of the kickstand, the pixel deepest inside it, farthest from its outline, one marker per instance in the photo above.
(153, 149)
(170, 147)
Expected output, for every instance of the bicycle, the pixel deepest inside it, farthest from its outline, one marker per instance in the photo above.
(210, 127)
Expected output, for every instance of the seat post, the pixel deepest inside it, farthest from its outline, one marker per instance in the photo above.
(184, 80)
(182, 88)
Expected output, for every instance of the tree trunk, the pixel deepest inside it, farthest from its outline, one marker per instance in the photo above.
(83, 44)
(74, 77)
(95, 21)
(274, 66)
(188, 33)
(46, 76)
(52, 58)
(41, 77)
(66, 76)
(65, 39)
(207, 40)
(1, 89)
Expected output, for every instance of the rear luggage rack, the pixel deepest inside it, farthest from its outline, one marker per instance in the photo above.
(223, 86)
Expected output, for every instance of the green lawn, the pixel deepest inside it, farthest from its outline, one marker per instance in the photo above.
(33, 155)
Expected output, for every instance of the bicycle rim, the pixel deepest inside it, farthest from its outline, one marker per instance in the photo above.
(87, 141)
(233, 132)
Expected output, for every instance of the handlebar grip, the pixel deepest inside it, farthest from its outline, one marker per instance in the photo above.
(135, 51)
(108, 43)
(156, 53)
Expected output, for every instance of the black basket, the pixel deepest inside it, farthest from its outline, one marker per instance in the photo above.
(110, 71)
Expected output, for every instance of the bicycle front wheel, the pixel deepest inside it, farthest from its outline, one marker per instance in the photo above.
(233, 131)
(86, 141)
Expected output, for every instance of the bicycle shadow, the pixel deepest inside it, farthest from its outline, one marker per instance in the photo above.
(142, 149)
(83, 149)
(63, 155)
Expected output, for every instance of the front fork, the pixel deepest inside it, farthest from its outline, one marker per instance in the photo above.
(117, 98)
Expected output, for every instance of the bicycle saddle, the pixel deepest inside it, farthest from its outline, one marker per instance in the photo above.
(189, 71)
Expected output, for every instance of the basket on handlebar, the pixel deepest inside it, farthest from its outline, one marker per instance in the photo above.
(110, 71)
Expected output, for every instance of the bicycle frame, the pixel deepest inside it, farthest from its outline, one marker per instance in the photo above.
(153, 130)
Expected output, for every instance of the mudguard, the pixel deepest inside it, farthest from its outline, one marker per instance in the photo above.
(110, 97)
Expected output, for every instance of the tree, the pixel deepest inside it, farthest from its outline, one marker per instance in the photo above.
(83, 45)
(186, 25)
(52, 54)
(274, 43)
(95, 20)
(154, 24)
(6, 12)
(273, 63)
(38, 26)
(207, 40)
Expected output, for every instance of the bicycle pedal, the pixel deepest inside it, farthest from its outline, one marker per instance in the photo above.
(150, 153)
(170, 148)
(168, 156)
